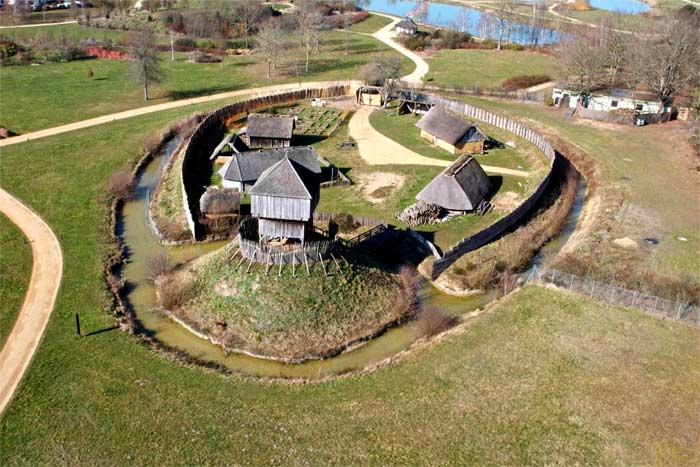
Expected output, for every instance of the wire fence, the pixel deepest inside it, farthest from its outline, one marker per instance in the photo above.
(657, 306)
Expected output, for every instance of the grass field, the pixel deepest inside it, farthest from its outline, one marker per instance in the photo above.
(256, 312)
(484, 69)
(15, 269)
(547, 378)
(637, 164)
(372, 24)
(36, 97)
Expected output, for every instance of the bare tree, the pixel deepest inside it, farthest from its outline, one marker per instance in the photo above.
(270, 40)
(503, 15)
(146, 65)
(666, 60)
(385, 72)
(248, 13)
(580, 63)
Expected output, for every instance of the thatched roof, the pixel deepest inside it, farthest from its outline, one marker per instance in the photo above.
(460, 187)
(216, 201)
(287, 179)
(447, 127)
(249, 166)
(270, 126)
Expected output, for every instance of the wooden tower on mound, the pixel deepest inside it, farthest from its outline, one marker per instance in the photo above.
(284, 199)
(581, 5)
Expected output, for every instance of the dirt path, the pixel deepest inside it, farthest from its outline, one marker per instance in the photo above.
(386, 35)
(377, 149)
(37, 25)
(47, 269)
(160, 107)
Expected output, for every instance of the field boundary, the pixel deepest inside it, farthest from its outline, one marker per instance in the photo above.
(618, 296)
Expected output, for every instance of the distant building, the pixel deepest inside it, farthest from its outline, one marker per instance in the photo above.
(283, 200)
(242, 170)
(461, 187)
(451, 133)
(607, 101)
(269, 131)
(413, 102)
(406, 26)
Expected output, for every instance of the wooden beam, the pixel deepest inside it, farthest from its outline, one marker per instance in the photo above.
(320, 258)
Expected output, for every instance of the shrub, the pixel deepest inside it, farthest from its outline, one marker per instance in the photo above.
(158, 265)
(207, 58)
(549, 101)
(173, 294)
(121, 184)
(523, 81)
(151, 143)
(432, 321)
(7, 49)
(206, 44)
(513, 46)
(186, 42)
(90, 73)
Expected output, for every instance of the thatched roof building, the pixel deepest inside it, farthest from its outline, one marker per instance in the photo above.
(215, 202)
(460, 187)
(243, 170)
(451, 132)
(269, 131)
(284, 198)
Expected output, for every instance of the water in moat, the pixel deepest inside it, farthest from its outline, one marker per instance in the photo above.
(141, 243)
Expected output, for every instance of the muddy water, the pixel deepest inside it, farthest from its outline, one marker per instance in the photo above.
(142, 243)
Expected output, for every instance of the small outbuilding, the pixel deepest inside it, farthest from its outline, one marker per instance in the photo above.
(370, 95)
(406, 26)
(230, 145)
(242, 170)
(462, 187)
(269, 131)
(413, 102)
(284, 199)
(451, 133)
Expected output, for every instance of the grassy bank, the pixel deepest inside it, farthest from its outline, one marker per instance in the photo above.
(634, 165)
(36, 97)
(372, 24)
(15, 270)
(547, 378)
(288, 317)
(484, 69)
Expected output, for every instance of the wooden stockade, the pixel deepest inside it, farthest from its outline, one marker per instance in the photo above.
(496, 229)
(210, 132)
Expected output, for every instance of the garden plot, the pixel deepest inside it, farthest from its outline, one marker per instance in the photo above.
(316, 121)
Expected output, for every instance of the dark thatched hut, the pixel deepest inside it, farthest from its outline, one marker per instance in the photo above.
(215, 202)
(451, 133)
(269, 131)
(283, 200)
(243, 170)
(413, 102)
(460, 187)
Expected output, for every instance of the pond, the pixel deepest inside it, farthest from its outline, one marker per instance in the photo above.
(460, 18)
(624, 6)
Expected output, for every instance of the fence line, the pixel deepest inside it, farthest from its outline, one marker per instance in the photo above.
(609, 293)
(491, 232)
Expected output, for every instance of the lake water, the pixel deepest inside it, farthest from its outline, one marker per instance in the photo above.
(624, 6)
(459, 18)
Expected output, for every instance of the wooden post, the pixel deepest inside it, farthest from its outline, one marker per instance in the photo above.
(306, 262)
(279, 273)
(294, 262)
(77, 325)
(320, 258)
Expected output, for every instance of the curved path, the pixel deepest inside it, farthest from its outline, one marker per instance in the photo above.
(377, 149)
(37, 25)
(45, 280)
(386, 35)
(160, 107)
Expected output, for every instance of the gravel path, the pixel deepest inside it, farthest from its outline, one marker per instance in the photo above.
(45, 280)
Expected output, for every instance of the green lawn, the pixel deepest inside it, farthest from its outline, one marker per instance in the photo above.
(15, 269)
(372, 24)
(36, 97)
(547, 378)
(636, 164)
(484, 69)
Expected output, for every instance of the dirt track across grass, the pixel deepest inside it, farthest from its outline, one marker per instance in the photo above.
(377, 149)
(45, 280)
